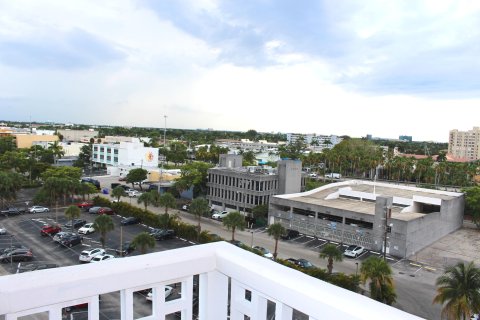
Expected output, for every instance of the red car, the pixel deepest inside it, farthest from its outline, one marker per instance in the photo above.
(85, 205)
(49, 230)
(106, 210)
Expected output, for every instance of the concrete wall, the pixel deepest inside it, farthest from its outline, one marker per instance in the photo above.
(26, 141)
(230, 161)
(289, 176)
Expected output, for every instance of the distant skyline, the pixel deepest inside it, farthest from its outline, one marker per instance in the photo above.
(327, 67)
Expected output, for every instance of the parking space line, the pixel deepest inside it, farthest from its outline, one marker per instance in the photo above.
(313, 239)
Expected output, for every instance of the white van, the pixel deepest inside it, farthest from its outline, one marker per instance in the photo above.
(333, 175)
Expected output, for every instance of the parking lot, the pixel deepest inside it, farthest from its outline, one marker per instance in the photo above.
(24, 230)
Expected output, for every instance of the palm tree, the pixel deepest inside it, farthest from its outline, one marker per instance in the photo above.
(72, 213)
(458, 289)
(143, 241)
(379, 273)
(275, 230)
(10, 183)
(167, 200)
(199, 207)
(103, 224)
(331, 252)
(234, 220)
(117, 192)
(145, 198)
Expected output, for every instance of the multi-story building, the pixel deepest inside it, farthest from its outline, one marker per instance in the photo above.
(231, 186)
(368, 213)
(125, 154)
(465, 144)
(28, 140)
(246, 144)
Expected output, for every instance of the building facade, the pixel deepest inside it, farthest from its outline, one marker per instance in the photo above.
(77, 135)
(28, 140)
(465, 144)
(233, 187)
(125, 154)
(366, 213)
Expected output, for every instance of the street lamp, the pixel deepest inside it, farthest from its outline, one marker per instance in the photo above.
(252, 239)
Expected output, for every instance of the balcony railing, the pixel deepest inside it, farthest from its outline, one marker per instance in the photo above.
(233, 283)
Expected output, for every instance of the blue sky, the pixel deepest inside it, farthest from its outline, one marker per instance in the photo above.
(329, 67)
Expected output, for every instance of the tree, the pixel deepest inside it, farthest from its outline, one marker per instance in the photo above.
(194, 175)
(103, 224)
(234, 220)
(136, 176)
(167, 200)
(260, 214)
(199, 207)
(146, 198)
(276, 230)
(10, 183)
(72, 213)
(143, 241)
(117, 192)
(379, 273)
(331, 252)
(472, 204)
(458, 290)
(87, 189)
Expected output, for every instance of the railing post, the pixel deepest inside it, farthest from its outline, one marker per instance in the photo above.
(126, 304)
(213, 296)
(283, 312)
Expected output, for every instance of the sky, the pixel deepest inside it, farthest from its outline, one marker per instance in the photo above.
(386, 68)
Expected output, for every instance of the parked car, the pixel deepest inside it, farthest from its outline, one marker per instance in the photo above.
(11, 210)
(126, 248)
(185, 207)
(49, 230)
(238, 243)
(2, 231)
(15, 255)
(87, 229)
(265, 252)
(96, 183)
(71, 240)
(130, 220)
(59, 236)
(106, 210)
(37, 209)
(126, 188)
(313, 175)
(94, 210)
(305, 264)
(122, 178)
(134, 193)
(11, 248)
(220, 215)
(77, 223)
(354, 251)
(163, 234)
(87, 255)
(102, 257)
(168, 292)
(85, 205)
(290, 234)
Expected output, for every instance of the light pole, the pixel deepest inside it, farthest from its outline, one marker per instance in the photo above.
(252, 239)
(356, 271)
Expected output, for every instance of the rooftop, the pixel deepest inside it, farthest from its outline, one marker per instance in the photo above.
(359, 196)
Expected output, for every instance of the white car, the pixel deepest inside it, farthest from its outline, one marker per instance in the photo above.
(266, 253)
(220, 215)
(37, 209)
(313, 175)
(102, 257)
(134, 193)
(88, 255)
(3, 230)
(354, 251)
(168, 292)
(86, 229)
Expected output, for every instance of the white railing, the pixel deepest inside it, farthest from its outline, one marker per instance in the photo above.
(221, 267)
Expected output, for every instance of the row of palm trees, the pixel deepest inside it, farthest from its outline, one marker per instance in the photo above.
(360, 158)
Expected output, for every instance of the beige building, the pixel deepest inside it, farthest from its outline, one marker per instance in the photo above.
(27, 140)
(465, 144)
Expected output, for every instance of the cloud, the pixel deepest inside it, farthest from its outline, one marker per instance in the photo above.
(73, 49)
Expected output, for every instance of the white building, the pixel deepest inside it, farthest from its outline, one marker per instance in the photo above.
(465, 144)
(125, 154)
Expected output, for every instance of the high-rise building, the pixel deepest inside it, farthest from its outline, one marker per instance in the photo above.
(465, 144)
